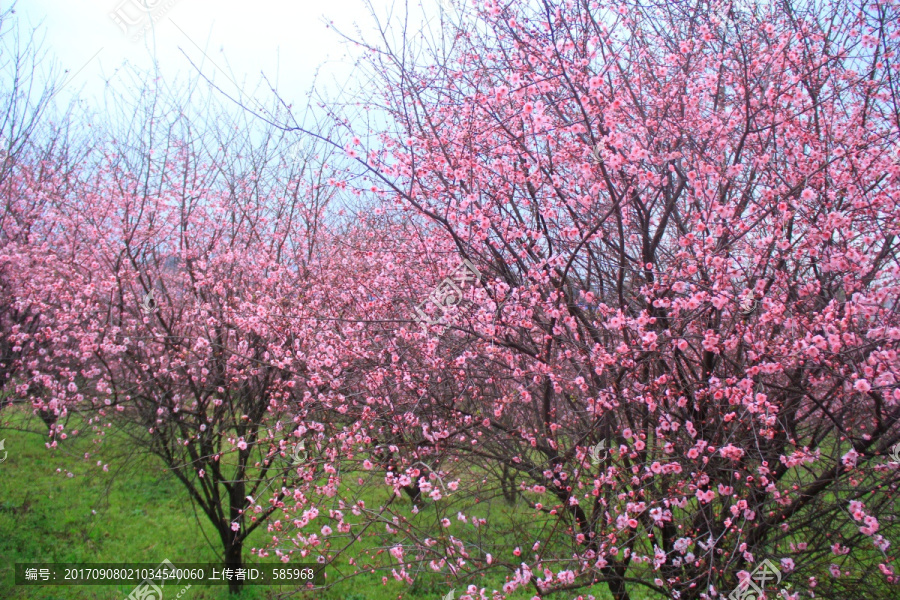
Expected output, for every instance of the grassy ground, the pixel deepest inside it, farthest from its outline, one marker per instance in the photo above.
(137, 512)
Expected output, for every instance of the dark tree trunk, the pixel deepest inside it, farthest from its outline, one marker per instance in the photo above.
(617, 585)
(508, 485)
(47, 417)
(414, 493)
(234, 542)
(234, 560)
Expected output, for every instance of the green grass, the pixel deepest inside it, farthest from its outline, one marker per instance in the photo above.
(138, 512)
(135, 512)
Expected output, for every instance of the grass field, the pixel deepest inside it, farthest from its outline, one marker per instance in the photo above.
(136, 512)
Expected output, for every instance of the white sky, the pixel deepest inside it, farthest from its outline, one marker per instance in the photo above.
(287, 40)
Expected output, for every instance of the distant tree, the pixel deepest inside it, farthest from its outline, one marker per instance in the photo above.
(24, 100)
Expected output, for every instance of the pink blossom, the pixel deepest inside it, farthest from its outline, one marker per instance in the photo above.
(849, 459)
(706, 496)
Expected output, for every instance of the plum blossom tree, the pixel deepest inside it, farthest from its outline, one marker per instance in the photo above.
(176, 300)
(687, 227)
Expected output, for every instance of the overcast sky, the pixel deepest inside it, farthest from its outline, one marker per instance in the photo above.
(287, 40)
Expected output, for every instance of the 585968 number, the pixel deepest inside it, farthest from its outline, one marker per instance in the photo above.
(293, 574)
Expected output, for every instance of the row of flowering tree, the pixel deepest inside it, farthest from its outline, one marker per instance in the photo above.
(617, 309)
(684, 218)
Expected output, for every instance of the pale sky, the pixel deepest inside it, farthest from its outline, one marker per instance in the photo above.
(287, 40)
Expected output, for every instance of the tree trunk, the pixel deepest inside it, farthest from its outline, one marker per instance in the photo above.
(47, 417)
(233, 560)
(234, 543)
(414, 493)
(508, 485)
(617, 586)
